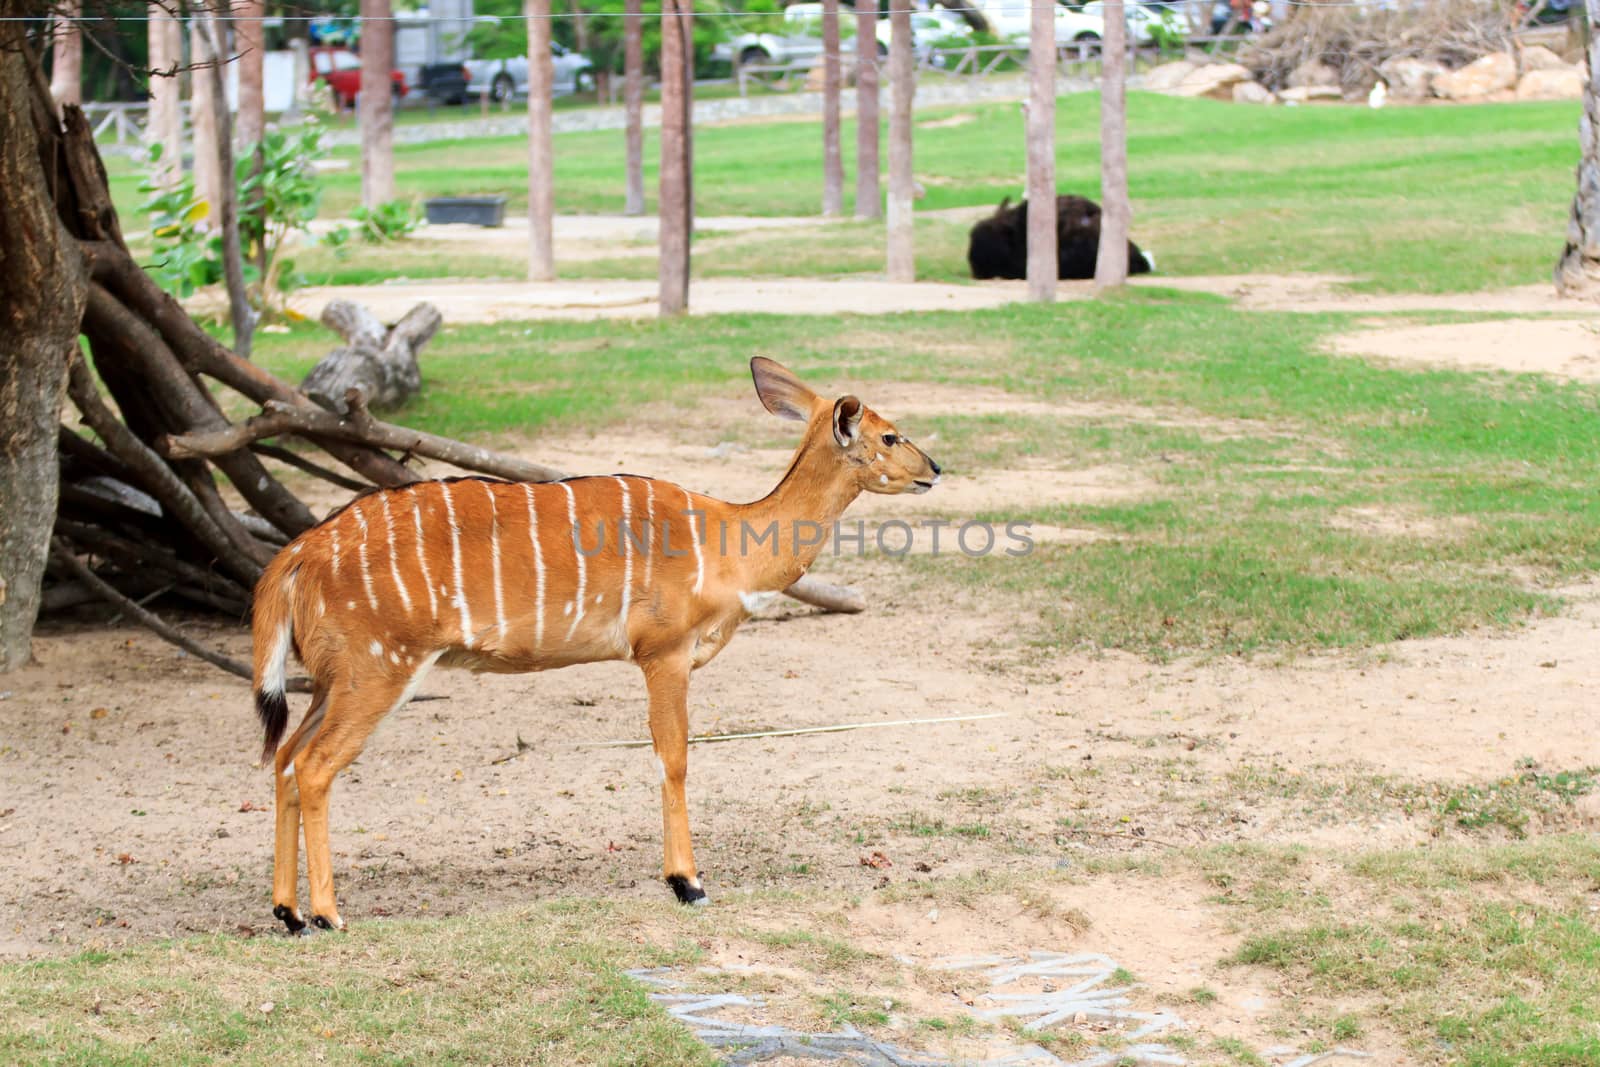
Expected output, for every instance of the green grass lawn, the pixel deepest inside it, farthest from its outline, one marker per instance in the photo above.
(1431, 199)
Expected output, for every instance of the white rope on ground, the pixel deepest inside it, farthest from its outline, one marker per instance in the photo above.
(706, 739)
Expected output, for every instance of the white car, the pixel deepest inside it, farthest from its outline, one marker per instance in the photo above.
(802, 36)
(504, 78)
(1012, 19)
(1142, 20)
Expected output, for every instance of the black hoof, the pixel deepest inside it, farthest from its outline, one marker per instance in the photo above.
(686, 891)
(285, 914)
(322, 924)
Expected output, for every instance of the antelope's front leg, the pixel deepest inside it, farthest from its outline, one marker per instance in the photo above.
(668, 681)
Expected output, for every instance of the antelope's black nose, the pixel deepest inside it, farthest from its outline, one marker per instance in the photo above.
(934, 464)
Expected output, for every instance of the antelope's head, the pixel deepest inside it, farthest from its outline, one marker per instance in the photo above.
(879, 457)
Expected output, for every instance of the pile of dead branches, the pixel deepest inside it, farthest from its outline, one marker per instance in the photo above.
(165, 497)
(1354, 40)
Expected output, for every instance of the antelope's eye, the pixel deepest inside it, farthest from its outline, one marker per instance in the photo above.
(890, 440)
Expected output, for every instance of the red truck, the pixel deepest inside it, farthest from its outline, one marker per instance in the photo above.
(341, 69)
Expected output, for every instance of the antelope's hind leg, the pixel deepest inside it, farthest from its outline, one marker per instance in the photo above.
(286, 845)
(668, 681)
(354, 710)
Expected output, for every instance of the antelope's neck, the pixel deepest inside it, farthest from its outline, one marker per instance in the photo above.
(803, 509)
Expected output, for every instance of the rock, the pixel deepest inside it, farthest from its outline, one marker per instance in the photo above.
(1168, 76)
(1215, 80)
(1304, 94)
(1410, 79)
(1561, 83)
(1538, 57)
(1253, 93)
(1312, 72)
(1484, 76)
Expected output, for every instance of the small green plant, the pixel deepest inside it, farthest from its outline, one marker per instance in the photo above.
(278, 196)
(388, 221)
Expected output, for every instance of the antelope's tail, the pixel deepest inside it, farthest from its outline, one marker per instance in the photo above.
(272, 628)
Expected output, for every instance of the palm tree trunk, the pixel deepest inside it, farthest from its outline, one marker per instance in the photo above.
(673, 201)
(869, 200)
(832, 159)
(633, 103)
(1111, 264)
(375, 111)
(1041, 138)
(541, 145)
(902, 266)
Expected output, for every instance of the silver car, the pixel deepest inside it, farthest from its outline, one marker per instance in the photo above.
(503, 79)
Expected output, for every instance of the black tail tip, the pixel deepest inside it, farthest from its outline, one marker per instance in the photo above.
(273, 710)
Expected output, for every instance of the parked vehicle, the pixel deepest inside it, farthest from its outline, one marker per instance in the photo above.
(1143, 21)
(447, 83)
(504, 78)
(801, 39)
(341, 69)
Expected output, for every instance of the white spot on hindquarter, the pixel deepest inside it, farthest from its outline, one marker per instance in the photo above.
(375, 648)
(572, 519)
(494, 555)
(394, 556)
(883, 479)
(361, 554)
(462, 607)
(422, 558)
(350, 605)
(394, 657)
(538, 569)
(294, 549)
(599, 597)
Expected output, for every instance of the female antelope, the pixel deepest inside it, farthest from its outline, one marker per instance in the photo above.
(513, 577)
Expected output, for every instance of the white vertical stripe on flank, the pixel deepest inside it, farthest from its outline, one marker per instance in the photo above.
(538, 569)
(627, 558)
(361, 554)
(494, 555)
(455, 559)
(577, 536)
(649, 530)
(422, 559)
(333, 532)
(394, 555)
(694, 539)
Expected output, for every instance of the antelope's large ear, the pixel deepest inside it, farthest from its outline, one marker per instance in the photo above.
(780, 391)
(846, 420)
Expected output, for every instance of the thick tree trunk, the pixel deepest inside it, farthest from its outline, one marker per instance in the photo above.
(1111, 264)
(541, 147)
(902, 74)
(869, 199)
(375, 108)
(251, 45)
(42, 286)
(244, 319)
(1041, 137)
(166, 94)
(633, 103)
(832, 158)
(674, 196)
(1578, 270)
(203, 120)
(66, 66)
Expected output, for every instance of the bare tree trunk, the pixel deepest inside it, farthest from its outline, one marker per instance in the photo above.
(66, 67)
(541, 146)
(869, 199)
(1578, 270)
(166, 94)
(633, 103)
(674, 196)
(203, 120)
(42, 287)
(227, 187)
(1042, 261)
(832, 159)
(375, 111)
(902, 250)
(1111, 264)
(251, 44)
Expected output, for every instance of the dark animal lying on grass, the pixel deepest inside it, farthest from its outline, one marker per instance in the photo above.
(998, 247)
